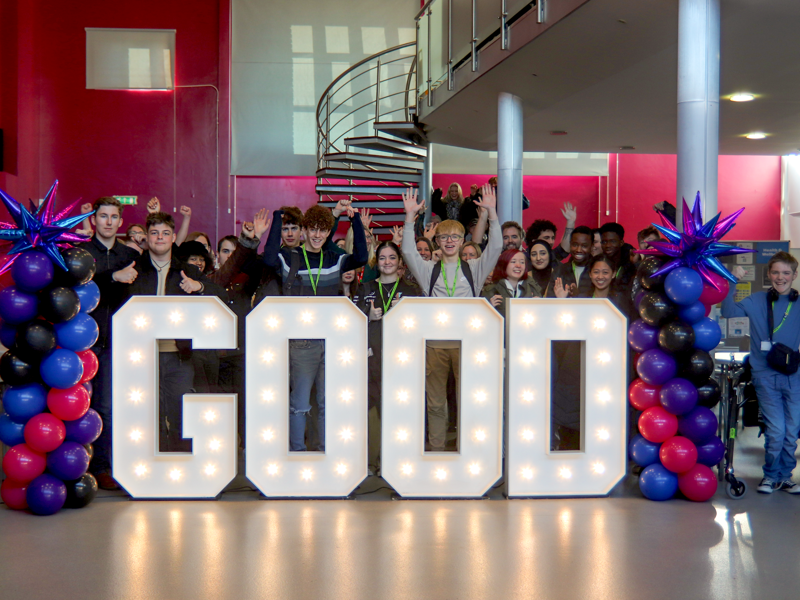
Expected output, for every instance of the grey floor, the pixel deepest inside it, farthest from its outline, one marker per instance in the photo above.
(375, 547)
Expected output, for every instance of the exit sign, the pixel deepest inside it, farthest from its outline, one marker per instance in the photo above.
(129, 200)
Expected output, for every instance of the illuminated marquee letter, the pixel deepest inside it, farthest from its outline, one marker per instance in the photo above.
(404, 463)
(532, 469)
(209, 419)
(275, 470)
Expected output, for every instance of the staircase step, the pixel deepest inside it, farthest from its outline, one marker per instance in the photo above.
(383, 144)
(364, 190)
(358, 158)
(405, 130)
(360, 174)
(381, 204)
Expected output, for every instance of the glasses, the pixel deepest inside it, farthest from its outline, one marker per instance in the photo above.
(448, 238)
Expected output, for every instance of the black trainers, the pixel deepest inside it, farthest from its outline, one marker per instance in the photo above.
(789, 486)
(767, 486)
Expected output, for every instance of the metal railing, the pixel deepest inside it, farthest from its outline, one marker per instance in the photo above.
(448, 39)
(386, 87)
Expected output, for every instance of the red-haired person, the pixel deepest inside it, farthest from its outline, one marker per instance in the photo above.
(510, 280)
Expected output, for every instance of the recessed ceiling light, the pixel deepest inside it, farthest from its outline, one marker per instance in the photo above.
(756, 135)
(742, 97)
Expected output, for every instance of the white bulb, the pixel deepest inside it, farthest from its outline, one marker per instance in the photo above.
(272, 469)
(136, 396)
(175, 316)
(140, 322)
(175, 474)
(267, 356)
(603, 357)
(268, 395)
(598, 468)
(480, 435)
(346, 357)
(442, 318)
(474, 469)
(527, 473)
(210, 416)
(306, 317)
(599, 323)
(566, 319)
(527, 435)
(402, 435)
(346, 434)
(268, 435)
(476, 323)
(402, 356)
(140, 470)
(527, 319)
(210, 470)
(480, 357)
(407, 469)
(341, 468)
(527, 396)
(135, 356)
(565, 473)
(603, 396)
(742, 97)
(272, 322)
(408, 323)
(528, 357)
(215, 444)
(341, 322)
(440, 474)
(402, 396)
(307, 474)
(346, 395)
(480, 396)
(136, 435)
(210, 322)
(603, 434)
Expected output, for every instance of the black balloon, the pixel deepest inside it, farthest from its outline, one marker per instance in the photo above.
(80, 267)
(35, 340)
(708, 394)
(676, 337)
(90, 450)
(650, 265)
(15, 371)
(656, 309)
(81, 492)
(697, 367)
(59, 304)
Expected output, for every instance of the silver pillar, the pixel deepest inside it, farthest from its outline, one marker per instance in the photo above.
(427, 183)
(509, 158)
(698, 103)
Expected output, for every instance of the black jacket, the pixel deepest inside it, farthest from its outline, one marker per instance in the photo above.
(112, 293)
(567, 275)
(370, 291)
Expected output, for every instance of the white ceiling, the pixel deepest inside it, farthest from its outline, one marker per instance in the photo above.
(611, 84)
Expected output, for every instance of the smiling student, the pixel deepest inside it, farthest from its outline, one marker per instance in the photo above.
(510, 280)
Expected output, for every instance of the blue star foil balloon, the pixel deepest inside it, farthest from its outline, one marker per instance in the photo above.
(39, 228)
(699, 246)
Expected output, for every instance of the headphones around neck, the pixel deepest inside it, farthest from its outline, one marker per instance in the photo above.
(772, 295)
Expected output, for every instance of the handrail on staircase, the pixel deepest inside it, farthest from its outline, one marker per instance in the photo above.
(329, 103)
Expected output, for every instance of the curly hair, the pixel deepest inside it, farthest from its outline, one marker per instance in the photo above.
(291, 215)
(536, 228)
(317, 217)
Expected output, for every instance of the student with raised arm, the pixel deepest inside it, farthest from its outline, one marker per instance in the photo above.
(450, 277)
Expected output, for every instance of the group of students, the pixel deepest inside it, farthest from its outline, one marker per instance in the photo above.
(471, 255)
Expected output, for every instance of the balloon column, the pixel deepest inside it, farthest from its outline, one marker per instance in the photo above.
(682, 279)
(49, 365)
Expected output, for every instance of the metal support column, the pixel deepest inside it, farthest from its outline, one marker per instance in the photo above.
(425, 188)
(698, 103)
(509, 158)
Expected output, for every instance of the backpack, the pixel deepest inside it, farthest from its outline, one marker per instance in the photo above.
(437, 270)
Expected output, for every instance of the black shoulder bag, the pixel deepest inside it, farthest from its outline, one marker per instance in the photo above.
(780, 357)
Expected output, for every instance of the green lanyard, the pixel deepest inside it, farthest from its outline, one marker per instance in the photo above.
(388, 303)
(786, 314)
(310, 275)
(455, 280)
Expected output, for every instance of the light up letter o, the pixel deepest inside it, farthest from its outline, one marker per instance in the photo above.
(532, 469)
(209, 419)
(404, 463)
(275, 470)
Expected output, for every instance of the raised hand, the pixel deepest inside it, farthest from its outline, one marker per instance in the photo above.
(87, 232)
(189, 285)
(488, 200)
(410, 204)
(153, 205)
(86, 208)
(430, 230)
(186, 211)
(126, 275)
(341, 206)
(436, 256)
(248, 230)
(366, 218)
(261, 222)
(375, 314)
(738, 272)
(570, 212)
(559, 289)
(397, 235)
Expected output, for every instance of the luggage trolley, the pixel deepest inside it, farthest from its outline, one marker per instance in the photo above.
(731, 367)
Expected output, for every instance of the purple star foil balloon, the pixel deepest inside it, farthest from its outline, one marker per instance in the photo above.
(698, 247)
(38, 228)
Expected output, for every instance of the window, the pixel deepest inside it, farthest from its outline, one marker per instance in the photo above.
(130, 59)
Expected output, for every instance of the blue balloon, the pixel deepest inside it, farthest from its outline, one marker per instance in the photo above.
(643, 452)
(707, 334)
(69, 461)
(8, 335)
(678, 396)
(642, 337)
(86, 429)
(89, 295)
(46, 495)
(61, 369)
(25, 401)
(11, 432)
(656, 367)
(710, 453)
(657, 483)
(32, 271)
(699, 425)
(78, 334)
(683, 286)
(17, 306)
(692, 313)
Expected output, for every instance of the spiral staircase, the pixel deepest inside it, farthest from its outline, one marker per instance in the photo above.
(370, 147)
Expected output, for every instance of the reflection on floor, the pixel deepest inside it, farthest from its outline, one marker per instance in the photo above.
(372, 547)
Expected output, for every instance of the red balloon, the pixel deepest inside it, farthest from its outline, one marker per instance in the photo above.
(44, 432)
(698, 483)
(90, 365)
(678, 454)
(643, 395)
(708, 308)
(69, 404)
(657, 425)
(23, 463)
(711, 295)
(13, 494)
